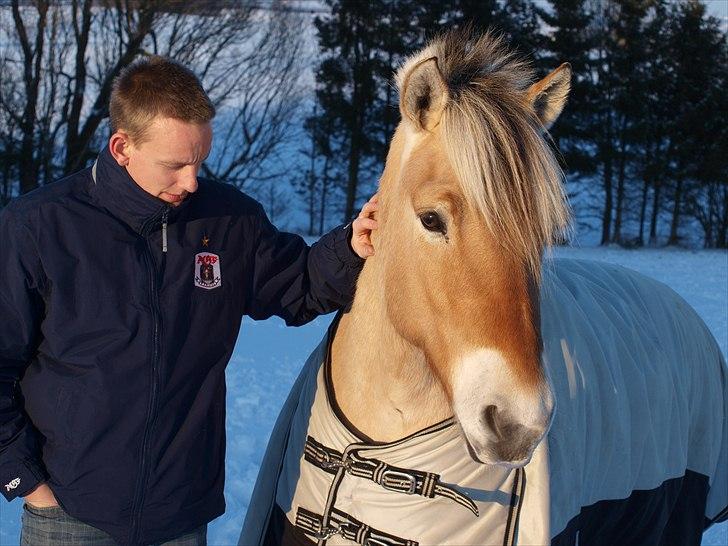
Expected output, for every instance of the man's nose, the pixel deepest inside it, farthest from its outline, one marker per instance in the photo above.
(188, 179)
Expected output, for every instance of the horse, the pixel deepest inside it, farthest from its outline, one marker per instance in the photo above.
(478, 391)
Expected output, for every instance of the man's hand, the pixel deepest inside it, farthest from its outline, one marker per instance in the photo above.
(362, 228)
(41, 497)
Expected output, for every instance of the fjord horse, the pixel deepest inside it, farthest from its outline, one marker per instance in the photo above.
(465, 364)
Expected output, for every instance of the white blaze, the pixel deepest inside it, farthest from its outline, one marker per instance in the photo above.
(411, 139)
(482, 378)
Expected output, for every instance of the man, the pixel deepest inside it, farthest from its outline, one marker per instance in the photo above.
(122, 289)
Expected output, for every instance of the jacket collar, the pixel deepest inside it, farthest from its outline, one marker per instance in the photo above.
(117, 192)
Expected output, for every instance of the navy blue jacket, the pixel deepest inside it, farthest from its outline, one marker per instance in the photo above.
(113, 351)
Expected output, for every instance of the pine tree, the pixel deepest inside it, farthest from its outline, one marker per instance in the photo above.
(569, 38)
(655, 143)
(362, 44)
(629, 57)
(694, 65)
(347, 86)
(613, 128)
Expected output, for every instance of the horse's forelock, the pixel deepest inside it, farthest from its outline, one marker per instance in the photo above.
(495, 143)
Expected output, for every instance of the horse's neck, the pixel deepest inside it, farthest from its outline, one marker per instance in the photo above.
(381, 382)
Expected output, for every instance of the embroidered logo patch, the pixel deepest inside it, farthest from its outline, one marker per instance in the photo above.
(13, 484)
(207, 270)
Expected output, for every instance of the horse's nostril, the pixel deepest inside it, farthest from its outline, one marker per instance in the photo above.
(507, 440)
(490, 416)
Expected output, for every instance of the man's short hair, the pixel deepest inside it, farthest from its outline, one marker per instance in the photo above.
(156, 86)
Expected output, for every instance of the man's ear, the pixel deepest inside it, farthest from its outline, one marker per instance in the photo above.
(548, 96)
(119, 145)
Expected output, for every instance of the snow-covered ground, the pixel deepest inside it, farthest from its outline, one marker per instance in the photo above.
(268, 357)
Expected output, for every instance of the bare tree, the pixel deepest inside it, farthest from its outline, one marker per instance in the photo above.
(9, 126)
(708, 205)
(62, 57)
(32, 62)
(257, 92)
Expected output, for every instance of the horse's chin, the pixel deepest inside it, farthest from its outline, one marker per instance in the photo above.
(483, 456)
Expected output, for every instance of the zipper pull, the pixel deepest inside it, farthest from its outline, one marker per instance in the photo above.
(164, 230)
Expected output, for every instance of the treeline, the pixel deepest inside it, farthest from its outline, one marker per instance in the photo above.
(644, 138)
(58, 59)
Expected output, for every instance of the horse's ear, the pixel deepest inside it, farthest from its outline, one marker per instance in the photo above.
(424, 95)
(548, 96)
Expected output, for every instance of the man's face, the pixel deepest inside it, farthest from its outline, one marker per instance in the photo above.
(166, 164)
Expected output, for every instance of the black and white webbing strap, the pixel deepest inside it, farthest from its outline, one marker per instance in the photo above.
(392, 478)
(341, 523)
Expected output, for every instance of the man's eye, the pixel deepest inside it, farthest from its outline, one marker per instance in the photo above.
(433, 222)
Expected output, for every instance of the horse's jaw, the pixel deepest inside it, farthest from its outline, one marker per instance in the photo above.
(383, 383)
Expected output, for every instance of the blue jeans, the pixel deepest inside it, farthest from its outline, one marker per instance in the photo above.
(53, 527)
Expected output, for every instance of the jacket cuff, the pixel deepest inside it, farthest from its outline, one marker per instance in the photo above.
(342, 246)
(19, 478)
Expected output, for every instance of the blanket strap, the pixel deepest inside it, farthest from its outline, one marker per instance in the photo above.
(392, 478)
(341, 523)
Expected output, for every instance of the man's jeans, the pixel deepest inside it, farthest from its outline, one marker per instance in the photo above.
(53, 527)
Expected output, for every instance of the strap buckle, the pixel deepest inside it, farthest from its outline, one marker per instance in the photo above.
(330, 462)
(396, 475)
(327, 532)
(332, 529)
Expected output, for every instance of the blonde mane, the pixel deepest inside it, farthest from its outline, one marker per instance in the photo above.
(495, 143)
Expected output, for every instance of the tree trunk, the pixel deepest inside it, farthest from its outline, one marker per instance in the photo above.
(643, 212)
(617, 235)
(605, 136)
(312, 174)
(324, 190)
(608, 198)
(353, 180)
(7, 181)
(674, 224)
(709, 225)
(722, 238)
(81, 33)
(388, 128)
(355, 129)
(311, 202)
(77, 148)
(655, 212)
(32, 64)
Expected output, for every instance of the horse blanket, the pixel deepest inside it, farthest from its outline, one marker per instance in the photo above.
(637, 452)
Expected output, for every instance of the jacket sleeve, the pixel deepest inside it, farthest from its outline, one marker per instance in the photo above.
(297, 282)
(21, 309)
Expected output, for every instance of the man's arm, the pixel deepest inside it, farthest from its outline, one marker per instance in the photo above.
(297, 282)
(21, 309)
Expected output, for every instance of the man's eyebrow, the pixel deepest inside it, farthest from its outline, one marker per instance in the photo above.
(173, 163)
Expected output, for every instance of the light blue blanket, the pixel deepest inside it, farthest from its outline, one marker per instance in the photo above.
(641, 392)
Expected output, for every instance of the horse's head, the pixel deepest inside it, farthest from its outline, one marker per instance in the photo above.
(470, 195)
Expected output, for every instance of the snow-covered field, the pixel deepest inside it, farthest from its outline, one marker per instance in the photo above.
(268, 356)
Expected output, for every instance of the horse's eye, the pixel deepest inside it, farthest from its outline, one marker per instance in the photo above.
(432, 222)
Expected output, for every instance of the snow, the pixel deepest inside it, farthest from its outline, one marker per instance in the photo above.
(268, 356)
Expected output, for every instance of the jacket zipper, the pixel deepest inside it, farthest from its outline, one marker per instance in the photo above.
(155, 280)
(165, 215)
